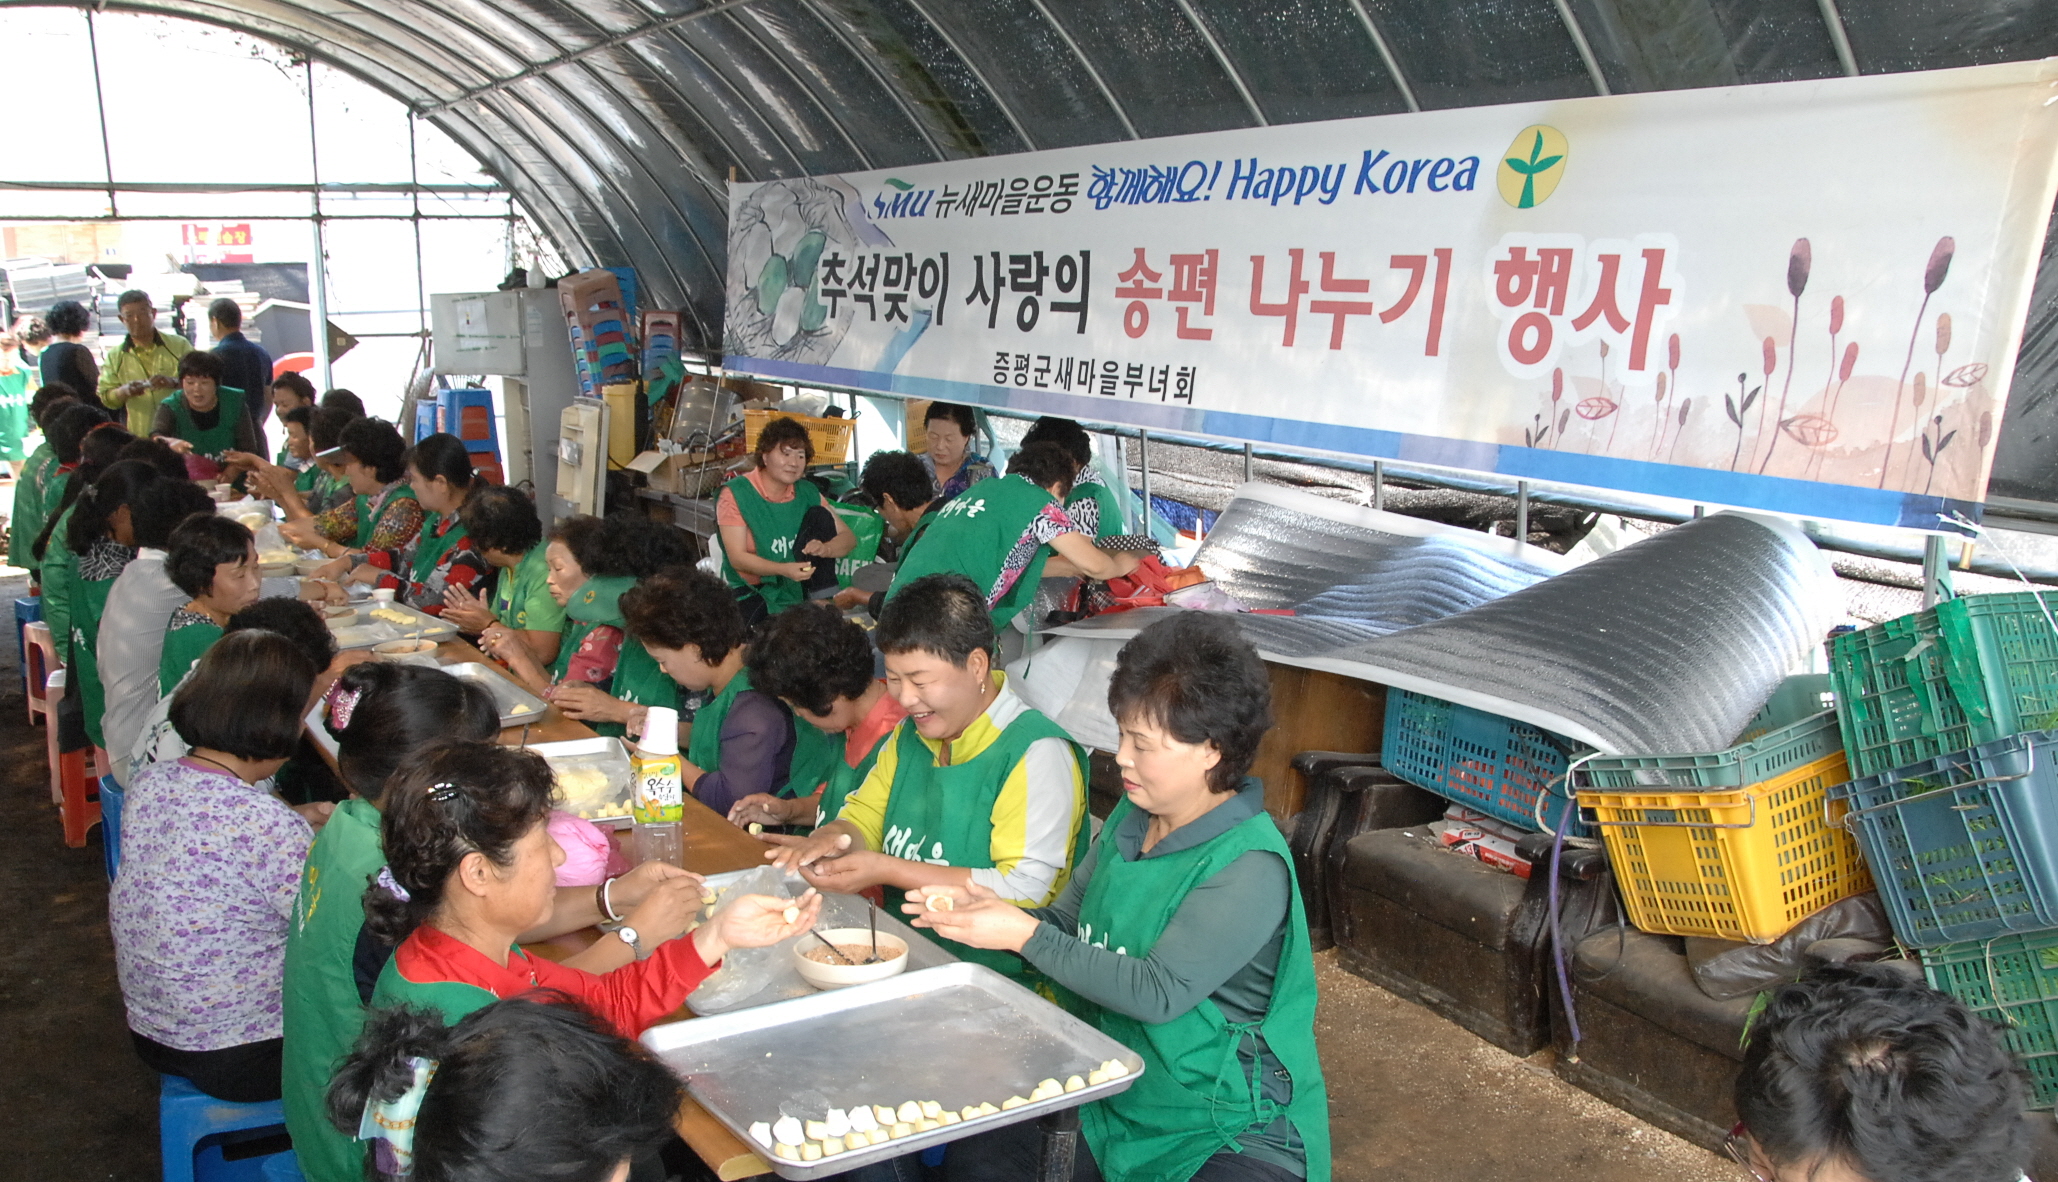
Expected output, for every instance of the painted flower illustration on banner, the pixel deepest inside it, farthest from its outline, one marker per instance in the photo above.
(782, 232)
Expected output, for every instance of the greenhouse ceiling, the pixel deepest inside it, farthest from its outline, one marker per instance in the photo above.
(618, 122)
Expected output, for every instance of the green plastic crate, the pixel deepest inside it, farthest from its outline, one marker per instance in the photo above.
(1793, 729)
(1965, 672)
(2012, 980)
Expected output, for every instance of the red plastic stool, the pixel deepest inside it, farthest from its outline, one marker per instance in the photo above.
(72, 787)
(42, 662)
(53, 692)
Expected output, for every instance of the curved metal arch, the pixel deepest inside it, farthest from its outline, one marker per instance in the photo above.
(850, 141)
(979, 75)
(1393, 65)
(1092, 71)
(674, 43)
(1222, 59)
(921, 126)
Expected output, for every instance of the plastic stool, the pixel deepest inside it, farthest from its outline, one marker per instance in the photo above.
(193, 1128)
(53, 692)
(26, 612)
(39, 663)
(78, 798)
(112, 798)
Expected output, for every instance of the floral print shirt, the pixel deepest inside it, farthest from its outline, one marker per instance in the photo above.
(199, 911)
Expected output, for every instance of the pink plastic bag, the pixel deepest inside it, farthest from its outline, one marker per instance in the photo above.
(589, 856)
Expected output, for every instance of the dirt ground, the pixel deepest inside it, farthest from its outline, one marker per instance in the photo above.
(1413, 1098)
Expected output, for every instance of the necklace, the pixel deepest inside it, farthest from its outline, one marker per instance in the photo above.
(216, 762)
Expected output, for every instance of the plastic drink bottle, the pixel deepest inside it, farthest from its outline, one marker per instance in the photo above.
(657, 800)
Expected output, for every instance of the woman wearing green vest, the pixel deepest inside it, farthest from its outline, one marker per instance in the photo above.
(214, 560)
(1091, 504)
(381, 714)
(1183, 926)
(973, 787)
(766, 553)
(504, 527)
(100, 534)
(600, 676)
(1007, 534)
(744, 740)
(318, 487)
(16, 375)
(27, 520)
(383, 513)
(820, 665)
(98, 450)
(439, 470)
(204, 420)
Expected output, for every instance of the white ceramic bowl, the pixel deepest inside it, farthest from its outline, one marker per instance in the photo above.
(893, 952)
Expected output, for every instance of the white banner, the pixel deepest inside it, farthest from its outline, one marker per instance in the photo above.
(1803, 297)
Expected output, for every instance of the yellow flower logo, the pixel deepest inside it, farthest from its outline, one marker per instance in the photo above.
(1532, 166)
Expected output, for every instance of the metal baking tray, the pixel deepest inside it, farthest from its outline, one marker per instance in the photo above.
(838, 911)
(598, 803)
(362, 631)
(958, 1034)
(517, 706)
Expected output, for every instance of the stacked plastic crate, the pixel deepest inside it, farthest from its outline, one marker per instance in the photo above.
(1738, 844)
(1509, 771)
(597, 317)
(1950, 716)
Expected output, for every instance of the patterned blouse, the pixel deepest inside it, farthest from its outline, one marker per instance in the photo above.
(199, 912)
(459, 566)
(974, 469)
(399, 520)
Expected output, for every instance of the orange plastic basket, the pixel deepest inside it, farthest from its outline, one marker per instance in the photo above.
(1735, 863)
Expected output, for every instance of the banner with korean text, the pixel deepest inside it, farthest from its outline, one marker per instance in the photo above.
(1803, 297)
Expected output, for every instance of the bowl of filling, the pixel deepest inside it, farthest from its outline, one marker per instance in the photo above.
(826, 969)
(404, 648)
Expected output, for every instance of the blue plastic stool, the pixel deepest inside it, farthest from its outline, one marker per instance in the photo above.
(283, 1167)
(112, 797)
(194, 1130)
(26, 612)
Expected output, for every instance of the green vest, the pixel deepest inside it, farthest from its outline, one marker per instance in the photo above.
(367, 521)
(869, 529)
(1193, 1099)
(28, 509)
(845, 779)
(429, 548)
(59, 567)
(1110, 508)
(183, 648)
(211, 442)
(595, 603)
(972, 536)
(88, 601)
(453, 999)
(944, 815)
(323, 1012)
(639, 681)
(524, 584)
(772, 527)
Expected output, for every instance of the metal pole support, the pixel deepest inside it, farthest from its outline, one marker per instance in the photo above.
(1379, 484)
(1522, 510)
(1143, 464)
(1936, 571)
(1060, 1143)
(1249, 464)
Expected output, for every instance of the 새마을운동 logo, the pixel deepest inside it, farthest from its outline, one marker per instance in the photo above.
(1532, 166)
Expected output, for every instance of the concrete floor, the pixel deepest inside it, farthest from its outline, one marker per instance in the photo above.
(1413, 1097)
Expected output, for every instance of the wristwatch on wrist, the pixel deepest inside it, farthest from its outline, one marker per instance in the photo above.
(634, 939)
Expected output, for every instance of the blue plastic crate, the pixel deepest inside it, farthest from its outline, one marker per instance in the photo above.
(1963, 846)
(1483, 761)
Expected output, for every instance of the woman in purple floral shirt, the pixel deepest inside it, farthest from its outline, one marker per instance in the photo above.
(210, 865)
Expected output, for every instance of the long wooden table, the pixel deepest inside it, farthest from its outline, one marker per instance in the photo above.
(712, 846)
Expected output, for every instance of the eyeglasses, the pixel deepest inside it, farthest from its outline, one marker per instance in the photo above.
(1736, 1145)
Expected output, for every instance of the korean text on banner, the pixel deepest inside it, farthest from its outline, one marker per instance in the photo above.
(1804, 297)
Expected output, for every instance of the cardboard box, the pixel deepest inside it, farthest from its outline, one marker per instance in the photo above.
(686, 474)
(1493, 849)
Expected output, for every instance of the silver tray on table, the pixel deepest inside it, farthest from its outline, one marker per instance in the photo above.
(958, 1034)
(517, 706)
(362, 631)
(838, 911)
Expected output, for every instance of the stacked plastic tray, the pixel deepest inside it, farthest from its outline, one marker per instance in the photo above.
(1951, 719)
(1509, 770)
(597, 316)
(1735, 844)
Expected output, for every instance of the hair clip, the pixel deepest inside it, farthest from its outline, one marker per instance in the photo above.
(444, 793)
(342, 704)
(390, 1124)
(392, 885)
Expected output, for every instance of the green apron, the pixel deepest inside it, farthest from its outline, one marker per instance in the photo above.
(944, 815)
(595, 603)
(323, 1012)
(213, 443)
(972, 536)
(183, 647)
(429, 547)
(60, 584)
(869, 528)
(89, 600)
(1194, 1099)
(1110, 509)
(639, 681)
(845, 779)
(28, 509)
(367, 519)
(524, 584)
(772, 527)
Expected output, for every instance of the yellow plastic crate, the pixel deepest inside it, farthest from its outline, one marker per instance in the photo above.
(1736, 864)
(831, 437)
